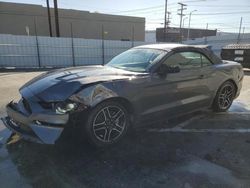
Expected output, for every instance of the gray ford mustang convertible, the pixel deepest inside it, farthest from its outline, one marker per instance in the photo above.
(143, 84)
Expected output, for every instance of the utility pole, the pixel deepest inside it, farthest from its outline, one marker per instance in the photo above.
(56, 19)
(238, 39)
(205, 40)
(165, 22)
(72, 45)
(183, 22)
(167, 26)
(49, 18)
(133, 36)
(37, 45)
(103, 50)
(168, 19)
(181, 16)
(243, 32)
(183, 27)
(190, 14)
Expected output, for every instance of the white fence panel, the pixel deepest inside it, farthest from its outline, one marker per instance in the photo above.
(31, 51)
(113, 48)
(18, 51)
(55, 52)
(87, 51)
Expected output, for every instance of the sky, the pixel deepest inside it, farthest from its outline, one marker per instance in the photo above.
(223, 15)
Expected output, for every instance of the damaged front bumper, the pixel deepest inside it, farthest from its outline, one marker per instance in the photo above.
(37, 127)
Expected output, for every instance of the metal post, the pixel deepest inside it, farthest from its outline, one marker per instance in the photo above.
(189, 25)
(243, 33)
(49, 18)
(183, 26)
(165, 23)
(167, 26)
(133, 36)
(190, 14)
(72, 45)
(103, 55)
(37, 45)
(56, 19)
(205, 40)
(238, 39)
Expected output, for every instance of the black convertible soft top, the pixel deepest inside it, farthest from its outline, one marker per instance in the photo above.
(204, 49)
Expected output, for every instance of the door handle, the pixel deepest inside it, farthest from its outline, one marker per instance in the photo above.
(201, 76)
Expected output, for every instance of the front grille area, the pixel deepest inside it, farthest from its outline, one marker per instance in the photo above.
(26, 105)
(21, 126)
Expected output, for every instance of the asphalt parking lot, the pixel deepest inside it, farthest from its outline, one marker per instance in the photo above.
(200, 150)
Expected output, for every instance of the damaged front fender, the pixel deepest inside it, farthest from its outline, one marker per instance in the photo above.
(95, 94)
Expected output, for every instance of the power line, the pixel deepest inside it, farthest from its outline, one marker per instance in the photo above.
(220, 24)
(198, 14)
(221, 13)
(146, 8)
(155, 23)
(222, 6)
(141, 9)
(192, 1)
(145, 12)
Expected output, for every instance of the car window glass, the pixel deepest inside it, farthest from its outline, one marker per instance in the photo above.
(137, 59)
(205, 61)
(184, 60)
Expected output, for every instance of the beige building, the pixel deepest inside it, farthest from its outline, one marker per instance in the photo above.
(21, 19)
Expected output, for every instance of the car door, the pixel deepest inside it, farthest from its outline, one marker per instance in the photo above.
(210, 77)
(177, 92)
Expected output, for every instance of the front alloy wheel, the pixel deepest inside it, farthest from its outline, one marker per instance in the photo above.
(107, 123)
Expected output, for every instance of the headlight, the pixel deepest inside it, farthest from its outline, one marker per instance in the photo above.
(64, 107)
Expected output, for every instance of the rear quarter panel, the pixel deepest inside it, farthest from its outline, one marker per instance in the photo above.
(223, 72)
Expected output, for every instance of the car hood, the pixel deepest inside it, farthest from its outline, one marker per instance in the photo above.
(60, 84)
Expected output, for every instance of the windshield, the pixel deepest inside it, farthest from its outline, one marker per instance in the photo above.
(137, 60)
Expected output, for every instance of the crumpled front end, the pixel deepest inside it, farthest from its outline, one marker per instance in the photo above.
(50, 101)
(32, 122)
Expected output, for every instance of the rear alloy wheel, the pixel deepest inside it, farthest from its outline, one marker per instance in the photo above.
(107, 123)
(224, 97)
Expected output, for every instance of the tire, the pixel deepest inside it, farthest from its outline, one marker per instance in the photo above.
(224, 97)
(107, 124)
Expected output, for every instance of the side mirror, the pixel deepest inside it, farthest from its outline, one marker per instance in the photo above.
(164, 69)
